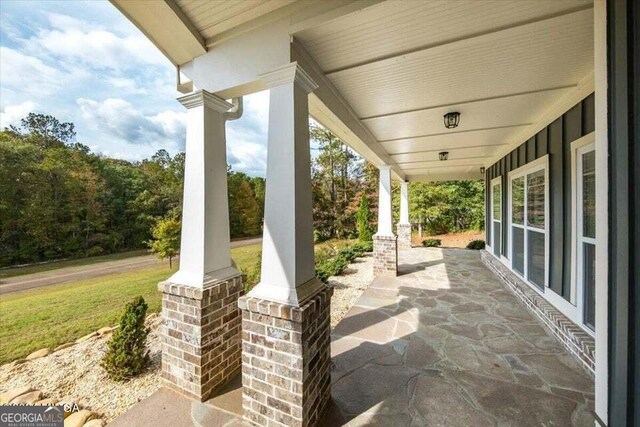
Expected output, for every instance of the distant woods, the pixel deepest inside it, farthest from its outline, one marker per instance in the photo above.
(60, 200)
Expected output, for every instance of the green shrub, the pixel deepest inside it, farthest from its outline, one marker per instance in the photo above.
(431, 243)
(363, 247)
(476, 244)
(127, 355)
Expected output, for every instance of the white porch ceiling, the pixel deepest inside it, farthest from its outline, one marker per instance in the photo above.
(398, 66)
(501, 64)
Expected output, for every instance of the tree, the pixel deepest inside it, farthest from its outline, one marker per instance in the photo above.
(44, 130)
(363, 218)
(127, 354)
(166, 239)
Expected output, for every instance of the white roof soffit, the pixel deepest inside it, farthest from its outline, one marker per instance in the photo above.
(508, 66)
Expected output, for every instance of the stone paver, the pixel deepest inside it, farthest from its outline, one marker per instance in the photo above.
(446, 343)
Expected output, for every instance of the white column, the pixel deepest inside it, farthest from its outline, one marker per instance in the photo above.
(602, 213)
(288, 270)
(204, 249)
(404, 203)
(385, 226)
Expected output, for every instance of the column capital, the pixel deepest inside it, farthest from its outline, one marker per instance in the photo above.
(202, 97)
(384, 167)
(289, 73)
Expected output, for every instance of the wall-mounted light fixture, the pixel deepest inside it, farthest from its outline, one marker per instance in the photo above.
(444, 155)
(451, 120)
(482, 169)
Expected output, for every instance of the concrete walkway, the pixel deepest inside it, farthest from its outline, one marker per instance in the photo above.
(443, 344)
(447, 344)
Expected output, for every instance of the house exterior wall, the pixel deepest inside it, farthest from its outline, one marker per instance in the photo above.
(555, 141)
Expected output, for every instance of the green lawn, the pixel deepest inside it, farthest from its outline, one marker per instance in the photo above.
(55, 265)
(54, 315)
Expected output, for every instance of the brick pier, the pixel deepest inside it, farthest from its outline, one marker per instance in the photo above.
(286, 361)
(200, 336)
(385, 255)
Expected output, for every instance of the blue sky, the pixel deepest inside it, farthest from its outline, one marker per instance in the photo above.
(84, 62)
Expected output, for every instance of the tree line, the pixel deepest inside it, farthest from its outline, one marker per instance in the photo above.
(60, 200)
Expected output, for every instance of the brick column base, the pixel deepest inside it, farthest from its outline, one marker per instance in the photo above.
(404, 236)
(286, 360)
(385, 255)
(200, 331)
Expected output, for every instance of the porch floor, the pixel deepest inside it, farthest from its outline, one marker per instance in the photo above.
(443, 344)
(446, 343)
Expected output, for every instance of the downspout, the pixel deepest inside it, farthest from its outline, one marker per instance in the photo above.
(236, 111)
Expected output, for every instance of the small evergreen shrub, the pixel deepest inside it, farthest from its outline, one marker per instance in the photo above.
(432, 243)
(253, 275)
(127, 355)
(363, 247)
(476, 244)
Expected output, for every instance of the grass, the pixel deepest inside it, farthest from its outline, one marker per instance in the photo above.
(54, 315)
(56, 265)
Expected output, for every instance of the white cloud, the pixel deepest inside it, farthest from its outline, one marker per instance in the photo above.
(11, 114)
(28, 74)
(118, 118)
(90, 45)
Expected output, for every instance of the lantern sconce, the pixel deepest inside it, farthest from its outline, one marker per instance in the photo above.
(444, 155)
(482, 169)
(451, 120)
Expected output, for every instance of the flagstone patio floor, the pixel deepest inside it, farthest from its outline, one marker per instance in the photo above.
(443, 344)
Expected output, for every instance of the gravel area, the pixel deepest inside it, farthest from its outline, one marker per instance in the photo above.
(74, 374)
(348, 286)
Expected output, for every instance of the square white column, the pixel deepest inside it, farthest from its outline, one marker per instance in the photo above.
(385, 224)
(205, 250)
(288, 270)
(404, 203)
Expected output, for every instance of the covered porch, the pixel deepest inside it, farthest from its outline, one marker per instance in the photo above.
(514, 93)
(443, 343)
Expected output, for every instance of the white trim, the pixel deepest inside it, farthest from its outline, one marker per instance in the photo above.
(578, 147)
(602, 211)
(539, 164)
(494, 182)
(575, 145)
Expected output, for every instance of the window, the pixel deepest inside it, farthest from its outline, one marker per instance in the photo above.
(586, 230)
(496, 215)
(528, 192)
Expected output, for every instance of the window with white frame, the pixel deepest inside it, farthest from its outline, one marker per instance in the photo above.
(586, 231)
(528, 195)
(496, 215)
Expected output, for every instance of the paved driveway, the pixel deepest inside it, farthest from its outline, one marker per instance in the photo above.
(69, 274)
(446, 344)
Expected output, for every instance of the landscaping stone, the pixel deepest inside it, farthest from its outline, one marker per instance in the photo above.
(104, 331)
(78, 419)
(38, 354)
(63, 346)
(30, 397)
(87, 337)
(12, 394)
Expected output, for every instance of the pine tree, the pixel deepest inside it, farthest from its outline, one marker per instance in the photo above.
(363, 217)
(127, 355)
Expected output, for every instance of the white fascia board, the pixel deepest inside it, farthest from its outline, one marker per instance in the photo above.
(584, 88)
(168, 28)
(328, 107)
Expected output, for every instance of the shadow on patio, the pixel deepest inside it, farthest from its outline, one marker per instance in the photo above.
(446, 343)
